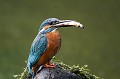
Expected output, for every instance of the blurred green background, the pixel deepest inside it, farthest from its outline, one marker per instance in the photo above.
(98, 45)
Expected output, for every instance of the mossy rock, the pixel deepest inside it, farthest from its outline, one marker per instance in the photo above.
(56, 73)
(61, 71)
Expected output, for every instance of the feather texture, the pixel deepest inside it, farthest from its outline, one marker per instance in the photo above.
(38, 47)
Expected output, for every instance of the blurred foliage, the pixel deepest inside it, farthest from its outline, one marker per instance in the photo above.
(97, 45)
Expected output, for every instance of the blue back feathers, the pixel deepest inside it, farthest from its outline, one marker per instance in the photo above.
(38, 47)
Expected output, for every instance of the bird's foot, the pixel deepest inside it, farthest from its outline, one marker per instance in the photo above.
(50, 65)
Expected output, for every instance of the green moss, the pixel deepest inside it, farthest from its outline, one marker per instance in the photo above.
(83, 71)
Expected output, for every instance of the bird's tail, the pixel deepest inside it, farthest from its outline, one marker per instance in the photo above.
(29, 68)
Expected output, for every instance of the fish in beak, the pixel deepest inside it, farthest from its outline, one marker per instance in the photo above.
(68, 23)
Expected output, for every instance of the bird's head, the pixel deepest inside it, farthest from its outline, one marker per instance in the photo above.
(53, 23)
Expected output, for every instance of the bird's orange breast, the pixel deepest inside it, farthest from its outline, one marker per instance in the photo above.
(53, 45)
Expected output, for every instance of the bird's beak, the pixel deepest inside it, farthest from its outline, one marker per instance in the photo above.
(68, 23)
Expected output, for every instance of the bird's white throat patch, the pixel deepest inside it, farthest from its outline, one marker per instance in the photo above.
(42, 30)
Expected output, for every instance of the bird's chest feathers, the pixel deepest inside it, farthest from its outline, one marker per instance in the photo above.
(53, 45)
(54, 40)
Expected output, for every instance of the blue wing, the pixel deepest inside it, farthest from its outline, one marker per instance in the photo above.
(38, 47)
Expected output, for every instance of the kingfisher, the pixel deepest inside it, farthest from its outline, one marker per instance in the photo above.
(47, 43)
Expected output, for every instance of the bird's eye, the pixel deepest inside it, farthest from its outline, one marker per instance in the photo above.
(54, 22)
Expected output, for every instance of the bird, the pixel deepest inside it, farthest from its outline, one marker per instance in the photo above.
(47, 43)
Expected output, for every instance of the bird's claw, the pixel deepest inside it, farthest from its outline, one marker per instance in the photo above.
(50, 65)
